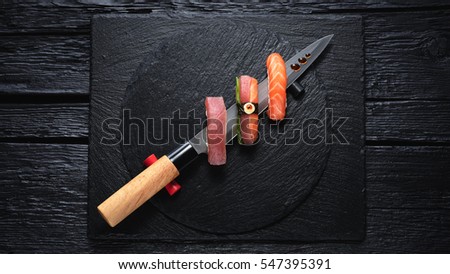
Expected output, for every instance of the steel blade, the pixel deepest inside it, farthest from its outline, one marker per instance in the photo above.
(198, 142)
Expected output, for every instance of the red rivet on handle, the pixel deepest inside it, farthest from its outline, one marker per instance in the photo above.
(150, 160)
(171, 187)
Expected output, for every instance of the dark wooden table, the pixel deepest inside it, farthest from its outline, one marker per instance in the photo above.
(44, 97)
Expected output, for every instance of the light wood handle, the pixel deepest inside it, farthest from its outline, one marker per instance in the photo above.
(137, 191)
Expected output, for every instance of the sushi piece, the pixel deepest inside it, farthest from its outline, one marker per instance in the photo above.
(276, 74)
(216, 115)
(247, 103)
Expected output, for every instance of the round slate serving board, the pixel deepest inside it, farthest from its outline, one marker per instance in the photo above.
(260, 184)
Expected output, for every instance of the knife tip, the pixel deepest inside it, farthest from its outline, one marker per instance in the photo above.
(327, 38)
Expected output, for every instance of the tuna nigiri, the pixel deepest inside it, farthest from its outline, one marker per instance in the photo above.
(216, 115)
(247, 102)
(276, 74)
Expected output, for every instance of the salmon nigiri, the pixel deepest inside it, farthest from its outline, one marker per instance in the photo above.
(277, 78)
(247, 101)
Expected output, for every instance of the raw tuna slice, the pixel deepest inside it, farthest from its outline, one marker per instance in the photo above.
(216, 114)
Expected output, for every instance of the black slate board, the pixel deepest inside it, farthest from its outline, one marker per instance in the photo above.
(260, 184)
(319, 196)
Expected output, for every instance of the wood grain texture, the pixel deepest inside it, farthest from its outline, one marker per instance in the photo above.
(408, 55)
(408, 177)
(408, 230)
(43, 197)
(413, 120)
(44, 190)
(407, 207)
(137, 191)
(44, 121)
(44, 64)
(75, 16)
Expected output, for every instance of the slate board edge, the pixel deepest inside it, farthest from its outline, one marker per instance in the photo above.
(166, 16)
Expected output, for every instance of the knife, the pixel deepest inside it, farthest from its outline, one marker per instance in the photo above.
(147, 183)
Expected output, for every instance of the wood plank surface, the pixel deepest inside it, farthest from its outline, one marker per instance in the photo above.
(45, 49)
(413, 120)
(43, 64)
(408, 55)
(70, 16)
(44, 121)
(45, 191)
(43, 197)
(408, 177)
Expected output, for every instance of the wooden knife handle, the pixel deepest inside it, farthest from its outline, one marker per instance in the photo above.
(137, 191)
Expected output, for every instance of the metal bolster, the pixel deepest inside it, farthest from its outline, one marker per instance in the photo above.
(183, 155)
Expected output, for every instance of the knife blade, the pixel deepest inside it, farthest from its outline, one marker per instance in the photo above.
(198, 145)
(150, 181)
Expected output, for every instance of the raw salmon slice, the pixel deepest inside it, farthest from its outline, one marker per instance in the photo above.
(247, 100)
(277, 78)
